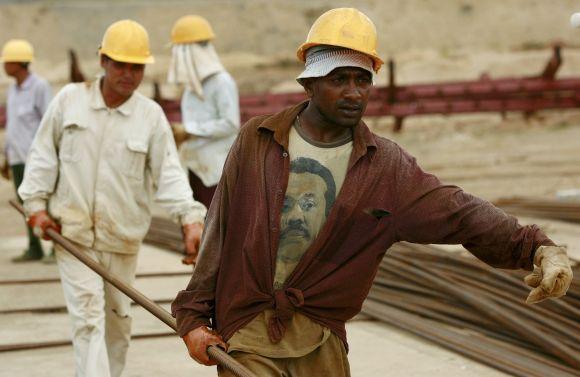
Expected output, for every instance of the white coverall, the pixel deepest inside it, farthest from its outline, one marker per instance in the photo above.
(97, 171)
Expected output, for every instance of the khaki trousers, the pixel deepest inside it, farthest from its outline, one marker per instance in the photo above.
(327, 360)
(101, 324)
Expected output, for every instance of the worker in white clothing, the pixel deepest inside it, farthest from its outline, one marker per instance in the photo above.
(103, 151)
(209, 106)
(26, 103)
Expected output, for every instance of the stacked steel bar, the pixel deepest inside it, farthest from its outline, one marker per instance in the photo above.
(470, 308)
(466, 306)
(549, 209)
(165, 234)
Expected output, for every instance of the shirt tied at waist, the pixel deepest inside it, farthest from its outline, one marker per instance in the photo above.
(286, 301)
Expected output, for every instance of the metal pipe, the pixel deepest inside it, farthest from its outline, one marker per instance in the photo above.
(214, 352)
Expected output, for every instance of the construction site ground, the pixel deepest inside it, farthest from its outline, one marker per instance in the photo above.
(488, 155)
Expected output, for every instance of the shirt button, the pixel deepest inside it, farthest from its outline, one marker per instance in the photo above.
(285, 154)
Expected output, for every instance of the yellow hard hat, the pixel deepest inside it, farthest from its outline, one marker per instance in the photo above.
(344, 27)
(191, 29)
(17, 51)
(126, 41)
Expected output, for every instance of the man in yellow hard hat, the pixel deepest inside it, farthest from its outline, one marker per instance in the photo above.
(103, 151)
(209, 104)
(27, 101)
(309, 201)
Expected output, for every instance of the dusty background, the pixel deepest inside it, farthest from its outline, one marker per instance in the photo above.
(430, 40)
(257, 39)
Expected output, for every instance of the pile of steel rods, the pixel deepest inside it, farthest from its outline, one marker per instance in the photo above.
(549, 209)
(470, 308)
(464, 305)
(165, 234)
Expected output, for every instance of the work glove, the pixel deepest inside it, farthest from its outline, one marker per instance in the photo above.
(40, 222)
(552, 274)
(191, 238)
(179, 133)
(197, 342)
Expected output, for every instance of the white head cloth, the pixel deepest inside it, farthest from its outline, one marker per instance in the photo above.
(192, 63)
(321, 60)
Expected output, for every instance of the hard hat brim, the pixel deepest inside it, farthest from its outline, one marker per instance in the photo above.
(301, 54)
(129, 59)
(16, 60)
(192, 40)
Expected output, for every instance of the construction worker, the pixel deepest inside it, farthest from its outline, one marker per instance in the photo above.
(102, 152)
(209, 106)
(28, 98)
(309, 201)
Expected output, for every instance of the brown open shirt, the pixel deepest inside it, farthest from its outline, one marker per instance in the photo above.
(385, 198)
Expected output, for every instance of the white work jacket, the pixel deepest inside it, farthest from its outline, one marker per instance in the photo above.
(214, 121)
(98, 169)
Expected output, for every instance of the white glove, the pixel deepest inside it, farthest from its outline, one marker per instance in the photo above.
(552, 274)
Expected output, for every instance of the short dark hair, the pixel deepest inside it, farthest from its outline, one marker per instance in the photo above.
(309, 165)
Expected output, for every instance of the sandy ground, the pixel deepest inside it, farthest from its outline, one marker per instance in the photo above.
(370, 342)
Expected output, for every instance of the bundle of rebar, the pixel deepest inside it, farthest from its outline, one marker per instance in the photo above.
(466, 306)
(543, 208)
(165, 234)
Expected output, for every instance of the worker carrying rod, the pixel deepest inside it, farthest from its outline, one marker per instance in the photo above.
(101, 154)
(309, 201)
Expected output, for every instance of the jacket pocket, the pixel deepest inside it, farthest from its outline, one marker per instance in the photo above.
(134, 161)
(69, 148)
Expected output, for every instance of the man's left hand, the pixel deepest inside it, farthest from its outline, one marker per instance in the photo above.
(191, 238)
(552, 275)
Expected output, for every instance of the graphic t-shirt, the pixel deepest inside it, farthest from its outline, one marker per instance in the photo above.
(317, 171)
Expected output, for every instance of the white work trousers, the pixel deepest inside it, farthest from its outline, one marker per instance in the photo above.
(99, 312)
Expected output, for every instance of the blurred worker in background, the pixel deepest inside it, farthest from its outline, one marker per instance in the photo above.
(28, 99)
(103, 151)
(308, 204)
(209, 106)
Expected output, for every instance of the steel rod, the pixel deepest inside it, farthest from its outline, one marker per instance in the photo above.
(214, 352)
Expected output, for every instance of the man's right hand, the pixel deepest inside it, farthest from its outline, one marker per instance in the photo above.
(197, 342)
(40, 222)
(5, 171)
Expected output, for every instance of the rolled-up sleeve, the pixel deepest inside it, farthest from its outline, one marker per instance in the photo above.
(431, 212)
(172, 189)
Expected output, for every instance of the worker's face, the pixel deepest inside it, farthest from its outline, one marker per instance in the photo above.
(303, 213)
(12, 68)
(341, 96)
(122, 78)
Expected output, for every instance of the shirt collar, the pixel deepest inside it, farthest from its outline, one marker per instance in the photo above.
(281, 123)
(98, 103)
(28, 82)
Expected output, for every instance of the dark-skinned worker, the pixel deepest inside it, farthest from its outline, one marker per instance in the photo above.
(309, 201)
(210, 108)
(102, 154)
(27, 101)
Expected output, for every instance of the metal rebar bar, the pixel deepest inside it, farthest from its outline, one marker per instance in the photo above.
(214, 352)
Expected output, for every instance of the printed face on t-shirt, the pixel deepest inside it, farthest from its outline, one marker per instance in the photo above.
(304, 210)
